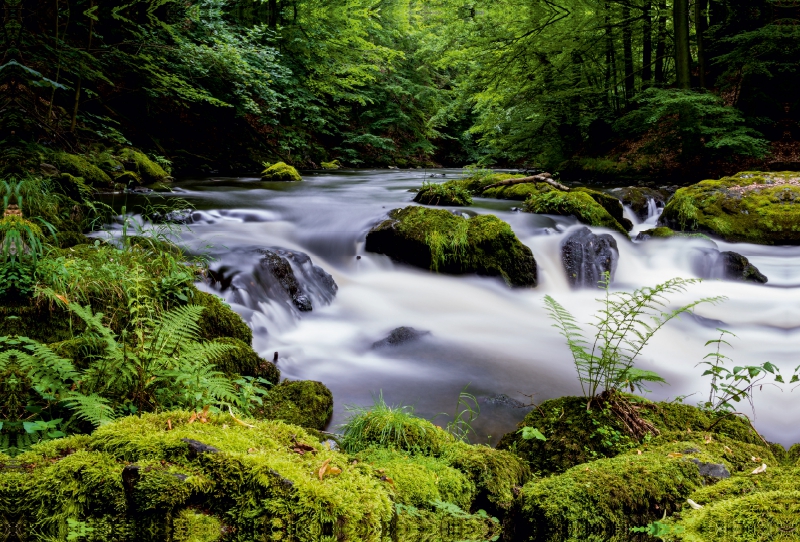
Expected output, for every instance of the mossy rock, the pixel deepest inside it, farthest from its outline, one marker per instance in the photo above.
(73, 187)
(241, 359)
(575, 435)
(141, 474)
(518, 192)
(752, 207)
(145, 169)
(608, 495)
(306, 403)
(219, 320)
(449, 193)
(478, 183)
(280, 172)
(611, 204)
(439, 240)
(194, 526)
(638, 199)
(80, 166)
(581, 205)
(334, 164)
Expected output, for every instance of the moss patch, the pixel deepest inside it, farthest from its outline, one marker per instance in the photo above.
(280, 172)
(581, 205)
(334, 164)
(306, 403)
(219, 320)
(611, 204)
(241, 359)
(80, 166)
(147, 170)
(438, 240)
(751, 207)
(449, 193)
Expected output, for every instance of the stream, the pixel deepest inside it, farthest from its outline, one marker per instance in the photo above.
(493, 341)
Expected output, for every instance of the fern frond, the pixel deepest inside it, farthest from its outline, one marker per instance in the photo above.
(91, 408)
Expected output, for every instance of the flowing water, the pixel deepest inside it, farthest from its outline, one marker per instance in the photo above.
(483, 335)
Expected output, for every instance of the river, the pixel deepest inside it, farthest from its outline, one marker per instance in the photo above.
(484, 336)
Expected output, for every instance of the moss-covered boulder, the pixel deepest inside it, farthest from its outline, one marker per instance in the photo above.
(306, 403)
(579, 204)
(241, 359)
(219, 320)
(441, 241)
(610, 203)
(280, 172)
(80, 166)
(639, 199)
(575, 435)
(751, 207)
(333, 164)
(147, 171)
(449, 193)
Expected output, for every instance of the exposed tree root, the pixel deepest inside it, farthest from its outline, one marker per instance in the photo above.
(629, 414)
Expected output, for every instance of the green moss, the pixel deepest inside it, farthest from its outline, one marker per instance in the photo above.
(793, 455)
(73, 187)
(608, 202)
(661, 232)
(280, 172)
(478, 183)
(749, 207)
(609, 495)
(192, 526)
(449, 193)
(575, 436)
(417, 480)
(147, 170)
(581, 205)
(331, 165)
(519, 192)
(219, 320)
(301, 402)
(80, 166)
(241, 359)
(438, 240)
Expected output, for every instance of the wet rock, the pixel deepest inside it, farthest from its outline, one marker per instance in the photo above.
(587, 256)
(611, 204)
(643, 201)
(710, 263)
(437, 240)
(178, 216)
(196, 447)
(280, 268)
(400, 335)
(505, 400)
(48, 170)
(712, 470)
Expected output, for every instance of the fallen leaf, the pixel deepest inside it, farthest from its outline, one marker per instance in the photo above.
(323, 469)
(251, 450)
(755, 459)
(169, 425)
(674, 455)
(387, 480)
(63, 299)
(727, 449)
(638, 452)
(192, 418)
(688, 430)
(334, 470)
(693, 504)
(708, 439)
(761, 469)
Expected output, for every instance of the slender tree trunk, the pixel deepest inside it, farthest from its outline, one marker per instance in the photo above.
(680, 18)
(58, 70)
(627, 52)
(611, 62)
(80, 79)
(273, 13)
(647, 44)
(661, 44)
(701, 25)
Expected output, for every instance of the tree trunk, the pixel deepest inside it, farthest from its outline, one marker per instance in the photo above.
(680, 18)
(701, 25)
(647, 44)
(661, 44)
(80, 79)
(627, 52)
(611, 62)
(272, 7)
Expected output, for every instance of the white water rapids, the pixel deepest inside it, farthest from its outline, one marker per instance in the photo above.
(495, 339)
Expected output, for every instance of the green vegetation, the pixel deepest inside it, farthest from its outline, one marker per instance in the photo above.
(578, 204)
(438, 240)
(448, 193)
(751, 207)
(280, 172)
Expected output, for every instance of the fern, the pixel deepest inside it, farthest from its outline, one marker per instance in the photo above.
(91, 408)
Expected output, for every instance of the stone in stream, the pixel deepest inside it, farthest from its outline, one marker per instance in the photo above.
(274, 268)
(710, 263)
(400, 335)
(437, 240)
(587, 256)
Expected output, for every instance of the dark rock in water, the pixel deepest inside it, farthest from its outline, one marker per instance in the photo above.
(280, 268)
(710, 263)
(503, 399)
(586, 257)
(737, 267)
(627, 224)
(178, 216)
(712, 470)
(437, 240)
(400, 335)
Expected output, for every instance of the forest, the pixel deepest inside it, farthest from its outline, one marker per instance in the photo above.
(222, 218)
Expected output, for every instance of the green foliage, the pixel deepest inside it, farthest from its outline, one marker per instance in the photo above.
(692, 121)
(148, 170)
(280, 172)
(578, 204)
(467, 411)
(624, 325)
(733, 384)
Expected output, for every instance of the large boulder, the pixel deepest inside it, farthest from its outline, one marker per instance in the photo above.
(588, 257)
(579, 204)
(610, 204)
(441, 241)
(280, 172)
(752, 207)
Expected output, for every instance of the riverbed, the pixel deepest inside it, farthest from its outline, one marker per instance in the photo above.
(495, 342)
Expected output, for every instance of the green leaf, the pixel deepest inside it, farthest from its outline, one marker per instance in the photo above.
(530, 433)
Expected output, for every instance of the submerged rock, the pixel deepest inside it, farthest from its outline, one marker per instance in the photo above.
(280, 172)
(438, 240)
(400, 335)
(712, 264)
(752, 207)
(587, 257)
(282, 272)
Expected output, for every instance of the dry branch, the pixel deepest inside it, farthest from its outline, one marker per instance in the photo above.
(541, 178)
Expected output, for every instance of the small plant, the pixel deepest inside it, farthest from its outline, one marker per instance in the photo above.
(624, 325)
(730, 386)
(448, 247)
(467, 411)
